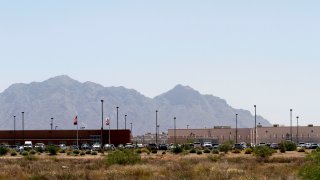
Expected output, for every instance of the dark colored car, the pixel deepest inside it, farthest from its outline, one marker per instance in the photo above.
(274, 146)
(238, 146)
(163, 147)
(152, 146)
(85, 147)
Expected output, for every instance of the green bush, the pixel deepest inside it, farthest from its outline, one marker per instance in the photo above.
(13, 153)
(301, 150)
(287, 146)
(3, 150)
(39, 149)
(76, 152)
(206, 151)
(69, 153)
(138, 151)
(192, 151)
(263, 151)
(312, 169)
(82, 153)
(248, 151)
(52, 150)
(124, 157)
(24, 153)
(199, 152)
(215, 151)
(177, 150)
(94, 153)
(164, 153)
(236, 151)
(88, 152)
(32, 152)
(62, 151)
(154, 151)
(225, 147)
(145, 150)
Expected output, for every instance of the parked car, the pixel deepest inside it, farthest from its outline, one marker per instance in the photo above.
(215, 146)
(152, 146)
(96, 147)
(163, 147)
(197, 145)
(109, 147)
(238, 146)
(120, 146)
(302, 145)
(207, 145)
(313, 146)
(27, 145)
(62, 146)
(85, 146)
(129, 146)
(40, 146)
(140, 146)
(274, 145)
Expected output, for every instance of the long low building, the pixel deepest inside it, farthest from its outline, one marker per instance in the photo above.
(68, 137)
(273, 134)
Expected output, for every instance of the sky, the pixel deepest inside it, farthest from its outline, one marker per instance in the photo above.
(247, 52)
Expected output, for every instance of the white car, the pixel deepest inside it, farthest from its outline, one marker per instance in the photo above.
(109, 147)
(207, 145)
(96, 147)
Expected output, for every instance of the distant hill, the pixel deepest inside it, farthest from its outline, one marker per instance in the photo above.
(62, 98)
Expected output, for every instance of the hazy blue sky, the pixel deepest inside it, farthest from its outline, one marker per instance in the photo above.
(247, 52)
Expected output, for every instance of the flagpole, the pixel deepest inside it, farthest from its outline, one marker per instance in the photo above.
(77, 136)
(109, 133)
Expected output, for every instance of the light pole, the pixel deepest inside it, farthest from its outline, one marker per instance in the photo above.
(117, 118)
(55, 128)
(291, 124)
(101, 135)
(131, 129)
(14, 129)
(236, 128)
(158, 129)
(156, 126)
(255, 124)
(51, 124)
(22, 127)
(175, 135)
(188, 126)
(297, 129)
(125, 127)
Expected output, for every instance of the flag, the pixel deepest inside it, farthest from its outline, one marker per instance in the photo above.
(75, 120)
(107, 121)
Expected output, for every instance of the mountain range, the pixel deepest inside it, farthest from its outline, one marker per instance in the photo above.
(62, 98)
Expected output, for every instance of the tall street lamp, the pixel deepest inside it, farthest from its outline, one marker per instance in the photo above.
(131, 129)
(175, 135)
(51, 124)
(297, 129)
(125, 127)
(156, 126)
(236, 128)
(188, 126)
(22, 126)
(117, 118)
(101, 134)
(291, 124)
(14, 129)
(255, 124)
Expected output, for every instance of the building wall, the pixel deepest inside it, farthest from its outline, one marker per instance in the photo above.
(264, 134)
(68, 137)
(213, 135)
